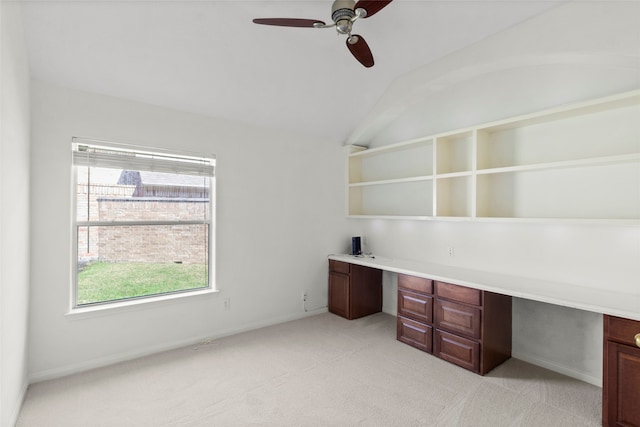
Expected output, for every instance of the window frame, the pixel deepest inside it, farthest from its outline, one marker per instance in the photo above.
(210, 221)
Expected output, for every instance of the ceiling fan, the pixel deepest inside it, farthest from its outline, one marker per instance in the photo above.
(343, 13)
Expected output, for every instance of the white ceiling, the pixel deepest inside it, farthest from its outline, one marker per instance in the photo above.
(208, 57)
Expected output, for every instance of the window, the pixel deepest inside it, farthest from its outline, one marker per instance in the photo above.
(143, 224)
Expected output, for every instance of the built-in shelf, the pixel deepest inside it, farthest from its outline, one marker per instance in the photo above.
(565, 164)
(453, 196)
(408, 160)
(454, 152)
(579, 162)
(407, 198)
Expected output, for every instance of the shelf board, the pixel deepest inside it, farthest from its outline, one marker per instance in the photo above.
(414, 217)
(397, 217)
(598, 221)
(452, 218)
(392, 181)
(562, 164)
(453, 174)
(390, 148)
(565, 111)
(595, 221)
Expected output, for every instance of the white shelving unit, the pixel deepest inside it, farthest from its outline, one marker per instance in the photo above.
(579, 162)
(381, 179)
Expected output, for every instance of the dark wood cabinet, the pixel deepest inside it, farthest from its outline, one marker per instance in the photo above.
(465, 326)
(415, 312)
(472, 327)
(339, 293)
(621, 372)
(354, 290)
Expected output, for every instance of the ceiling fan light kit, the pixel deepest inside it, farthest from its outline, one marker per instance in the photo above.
(343, 14)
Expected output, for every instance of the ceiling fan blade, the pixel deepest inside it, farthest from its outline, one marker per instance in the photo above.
(371, 6)
(360, 50)
(288, 22)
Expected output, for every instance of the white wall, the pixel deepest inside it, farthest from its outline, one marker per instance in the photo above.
(14, 211)
(279, 213)
(574, 52)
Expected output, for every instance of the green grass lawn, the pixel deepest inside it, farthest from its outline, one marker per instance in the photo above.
(104, 281)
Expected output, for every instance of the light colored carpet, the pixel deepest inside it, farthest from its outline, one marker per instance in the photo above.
(318, 371)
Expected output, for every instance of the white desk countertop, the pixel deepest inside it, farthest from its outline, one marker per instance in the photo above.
(621, 304)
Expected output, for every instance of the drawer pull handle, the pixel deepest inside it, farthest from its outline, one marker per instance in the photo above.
(637, 338)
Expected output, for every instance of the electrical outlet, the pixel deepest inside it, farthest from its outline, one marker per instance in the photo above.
(304, 296)
(227, 303)
(451, 251)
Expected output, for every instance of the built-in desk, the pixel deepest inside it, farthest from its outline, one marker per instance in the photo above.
(620, 304)
(621, 310)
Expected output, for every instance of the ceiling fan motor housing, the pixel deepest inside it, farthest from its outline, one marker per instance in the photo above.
(342, 14)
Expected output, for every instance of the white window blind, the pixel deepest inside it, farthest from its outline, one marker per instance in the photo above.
(86, 153)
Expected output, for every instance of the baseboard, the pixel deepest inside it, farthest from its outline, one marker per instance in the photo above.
(265, 323)
(17, 406)
(50, 374)
(564, 370)
(393, 311)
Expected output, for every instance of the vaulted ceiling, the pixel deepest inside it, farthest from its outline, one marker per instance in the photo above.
(207, 57)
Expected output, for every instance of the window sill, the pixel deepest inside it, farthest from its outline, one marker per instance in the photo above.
(137, 304)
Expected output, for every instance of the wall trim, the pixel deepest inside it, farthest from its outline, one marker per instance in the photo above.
(75, 368)
(561, 369)
(17, 406)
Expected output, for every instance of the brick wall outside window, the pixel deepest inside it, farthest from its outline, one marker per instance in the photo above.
(163, 244)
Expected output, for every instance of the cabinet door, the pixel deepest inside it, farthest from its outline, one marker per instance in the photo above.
(460, 351)
(458, 318)
(339, 294)
(621, 385)
(415, 334)
(415, 284)
(365, 293)
(459, 293)
(414, 305)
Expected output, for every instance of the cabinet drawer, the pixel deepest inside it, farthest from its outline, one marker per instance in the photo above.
(339, 266)
(458, 350)
(621, 330)
(416, 284)
(458, 318)
(459, 293)
(415, 334)
(416, 306)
